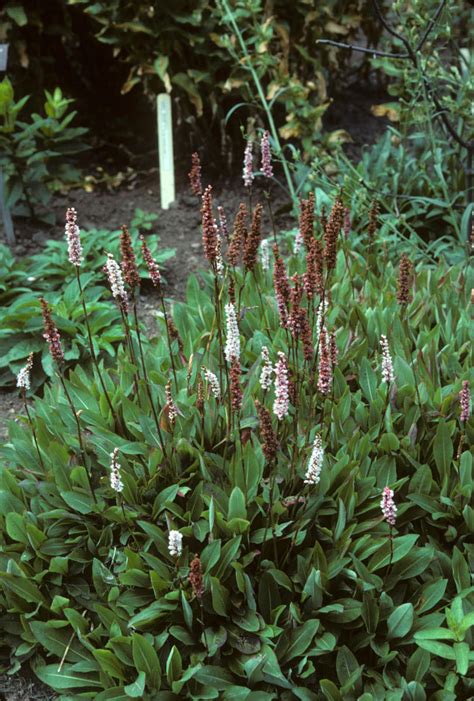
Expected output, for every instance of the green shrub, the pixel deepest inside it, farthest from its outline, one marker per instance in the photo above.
(419, 169)
(35, 156)
(306, 591)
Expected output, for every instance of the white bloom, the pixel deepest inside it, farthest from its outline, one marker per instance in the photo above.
(315, 463)
(213, 382)
(248, 164)
(388, 507)
(322, 311)
(73, 238)
(298, 242)
(114, 276)
(115, 467)
(175, 543)
(219, 260)
(232, 344)
(282, 400)
(23, 377)
(266, 375)
(265, 253)
(387, 366)
(170, 404)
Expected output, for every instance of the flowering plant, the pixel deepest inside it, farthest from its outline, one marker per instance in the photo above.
(174, 532)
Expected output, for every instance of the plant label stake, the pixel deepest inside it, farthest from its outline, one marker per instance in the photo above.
(6, 216)
(165, 147)
(3, 57)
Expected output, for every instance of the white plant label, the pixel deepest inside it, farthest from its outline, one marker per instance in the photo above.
(165, 146)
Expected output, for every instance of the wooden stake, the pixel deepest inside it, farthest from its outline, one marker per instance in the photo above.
(165, 147)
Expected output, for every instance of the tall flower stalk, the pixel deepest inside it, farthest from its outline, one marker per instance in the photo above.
(52, 336)
(23, 382)
(76, 258)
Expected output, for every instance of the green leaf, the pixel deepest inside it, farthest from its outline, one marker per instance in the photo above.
(432, 594)
(146, 660)
(367, 380)
(346, 664)
(443, 449)
(215, 677)
(237, 507)
(400, 621)
(136, 689)
(109, 664)
(401, 547)
(220, 597)
(24, 588)
(300, 639)
(17, 14)
(418, 665)
(66, 678)
(83, 503)
(174, 666)
(461, 652)
(330, 690)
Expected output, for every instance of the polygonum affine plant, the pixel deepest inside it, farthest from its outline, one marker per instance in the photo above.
(270, 500)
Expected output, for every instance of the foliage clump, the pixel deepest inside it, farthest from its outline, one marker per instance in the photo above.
(206, 518)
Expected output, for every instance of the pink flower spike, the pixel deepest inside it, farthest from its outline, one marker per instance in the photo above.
(325, 366)
(388, 507)
(267, 169)
(465, 401)
(248, 164)
(73, 238)
(282, 399)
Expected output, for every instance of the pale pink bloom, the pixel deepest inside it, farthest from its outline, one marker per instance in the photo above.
(223, 223)
(175, 543)
(115, 467)
(298, 242)
(267, 169)
(248, 164)
(232, 344)
(170, 405)
(388, 374)
(282, 400)
(115, 278)
(266, 375)
(313, 472)
(322, 311)
(388, 507)
(213, 382)
(265, 253)
(73, 238)
(325, 365)
(347, 222)
(465, 401)
(219, 262)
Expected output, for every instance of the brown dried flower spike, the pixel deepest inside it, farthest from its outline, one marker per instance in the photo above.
(404, 280)
(195, 175)
(196, 578)
(129, 262)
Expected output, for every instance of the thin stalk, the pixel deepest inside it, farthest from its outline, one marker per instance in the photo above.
(263, 99)
(33, 431)
(79, 433)
(91, 347)
(165, 314)
(145, 377)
